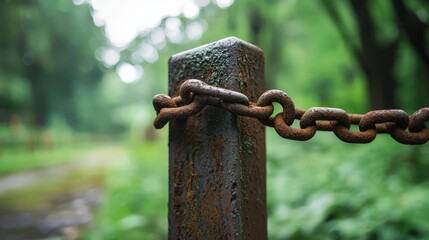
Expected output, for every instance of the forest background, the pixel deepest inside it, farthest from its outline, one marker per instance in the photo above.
(78, 77)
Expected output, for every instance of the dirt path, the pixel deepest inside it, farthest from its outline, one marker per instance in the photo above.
(96, 158)
(62, 212)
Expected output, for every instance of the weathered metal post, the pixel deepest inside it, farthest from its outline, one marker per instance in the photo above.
(217, 174)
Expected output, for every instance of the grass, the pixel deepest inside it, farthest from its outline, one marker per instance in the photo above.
(20, 159)
(135, 200)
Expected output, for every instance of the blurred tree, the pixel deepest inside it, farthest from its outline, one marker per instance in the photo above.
(265, 24)
(304, 54)
(376, 41)
(379, 35)
(51, 47)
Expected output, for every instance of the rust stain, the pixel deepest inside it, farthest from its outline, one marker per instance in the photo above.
(217, 160)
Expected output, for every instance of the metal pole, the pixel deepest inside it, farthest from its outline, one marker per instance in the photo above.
(217, 174)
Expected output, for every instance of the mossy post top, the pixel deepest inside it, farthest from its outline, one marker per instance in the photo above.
(230, 63)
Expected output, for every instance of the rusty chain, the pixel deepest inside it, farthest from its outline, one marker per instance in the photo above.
(194, 95)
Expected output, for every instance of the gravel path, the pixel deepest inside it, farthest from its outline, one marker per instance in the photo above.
(64, 216)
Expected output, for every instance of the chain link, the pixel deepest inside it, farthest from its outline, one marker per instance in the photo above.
(194, 95)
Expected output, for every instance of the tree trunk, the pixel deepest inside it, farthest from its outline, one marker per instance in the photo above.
(376, 61)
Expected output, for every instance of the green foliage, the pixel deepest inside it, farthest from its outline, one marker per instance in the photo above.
(321, 189)
(324, 189)
(135, 201)
(48, 53)
(35, 149)
(14, 93)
